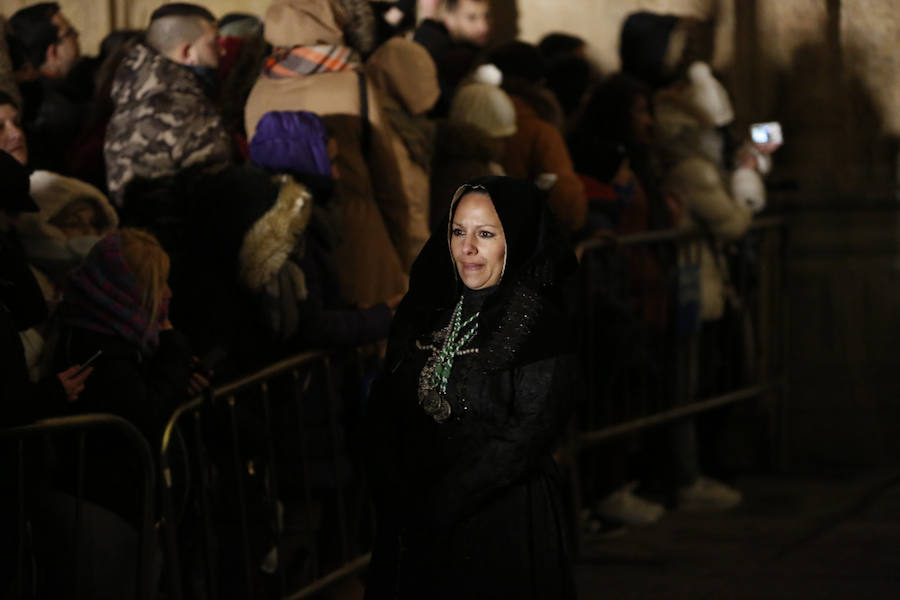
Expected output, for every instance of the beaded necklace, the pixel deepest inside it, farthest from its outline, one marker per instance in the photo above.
(434, 377)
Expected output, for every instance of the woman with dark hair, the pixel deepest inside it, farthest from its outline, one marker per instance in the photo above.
(474, 395)
(612, 146)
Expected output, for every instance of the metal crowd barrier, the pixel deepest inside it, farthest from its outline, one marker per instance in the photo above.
(81, 426)
(648, 361)
(261, 399)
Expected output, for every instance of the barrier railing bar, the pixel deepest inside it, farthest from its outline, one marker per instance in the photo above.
(336, 455)
(272, 486)
(335, 576)
(79, 510)
(242, 494)
(781, 457)
(299, 395)
(239, 385)
(174, 571)
(20, 547)
(593, 437)
(140, 445)
(664, 235)
(212, 582)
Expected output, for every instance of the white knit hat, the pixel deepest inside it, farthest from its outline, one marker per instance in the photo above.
(486, 107)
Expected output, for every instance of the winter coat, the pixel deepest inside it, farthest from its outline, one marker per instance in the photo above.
(231, 260)
(721, 204)
(51, 120)
(163, 122)
(372, 205)
(462, 153)
(325, 321)
(406, 79)
(143, 390)
(537, 148)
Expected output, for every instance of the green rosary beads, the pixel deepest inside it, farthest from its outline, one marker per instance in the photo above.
(436, 374)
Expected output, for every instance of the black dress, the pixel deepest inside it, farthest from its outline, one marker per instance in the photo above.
(470, 507)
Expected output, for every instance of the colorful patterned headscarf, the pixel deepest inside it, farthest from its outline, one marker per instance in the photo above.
(104, 295)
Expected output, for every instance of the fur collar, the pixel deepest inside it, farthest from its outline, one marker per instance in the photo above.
(268, 243)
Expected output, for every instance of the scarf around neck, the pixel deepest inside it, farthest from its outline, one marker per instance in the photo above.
(300, 61)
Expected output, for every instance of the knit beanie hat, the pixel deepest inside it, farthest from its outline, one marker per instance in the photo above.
(643, 44)
(291, 142)
(485, 106)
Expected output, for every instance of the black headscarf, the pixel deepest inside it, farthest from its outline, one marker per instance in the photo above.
(525, 318)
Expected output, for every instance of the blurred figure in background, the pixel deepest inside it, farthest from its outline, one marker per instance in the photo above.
(314, 67)
(49, 48)
(406, 79)
(693, 112)
(22, 306)
(455, 40)
(538, 151)
(570, 73)
(471, 141)
(165, 119)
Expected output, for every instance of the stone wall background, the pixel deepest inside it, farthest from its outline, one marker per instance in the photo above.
(829, 70)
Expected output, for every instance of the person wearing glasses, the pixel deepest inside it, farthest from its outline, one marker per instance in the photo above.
(44, 47)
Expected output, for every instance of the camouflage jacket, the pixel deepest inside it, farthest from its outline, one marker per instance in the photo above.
(163, 122)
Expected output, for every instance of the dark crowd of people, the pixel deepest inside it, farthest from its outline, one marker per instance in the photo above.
(209, 195)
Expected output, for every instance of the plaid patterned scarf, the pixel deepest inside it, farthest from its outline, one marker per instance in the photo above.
(300, 61)
(103, 295)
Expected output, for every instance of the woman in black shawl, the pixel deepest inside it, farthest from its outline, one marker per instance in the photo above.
(474, 395)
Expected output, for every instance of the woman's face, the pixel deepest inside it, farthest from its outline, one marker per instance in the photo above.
(12, 138)
(477, 242)
(641, 121)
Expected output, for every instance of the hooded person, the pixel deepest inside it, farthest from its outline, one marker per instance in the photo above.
(314, 69)
(474, 394)
(297, 143)
(393, 18)
(406, 78)
(73, 216)
(165, 119)
(692, 111)
(22, 306)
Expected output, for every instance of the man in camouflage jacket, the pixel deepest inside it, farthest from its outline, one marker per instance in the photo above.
(164, 119)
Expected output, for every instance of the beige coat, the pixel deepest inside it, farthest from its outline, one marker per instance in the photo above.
(406, 78)
(371, 202)
(718, 202)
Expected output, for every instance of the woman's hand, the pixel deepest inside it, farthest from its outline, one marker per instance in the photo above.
(196, 384)
(199, 379)
(73, 381)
